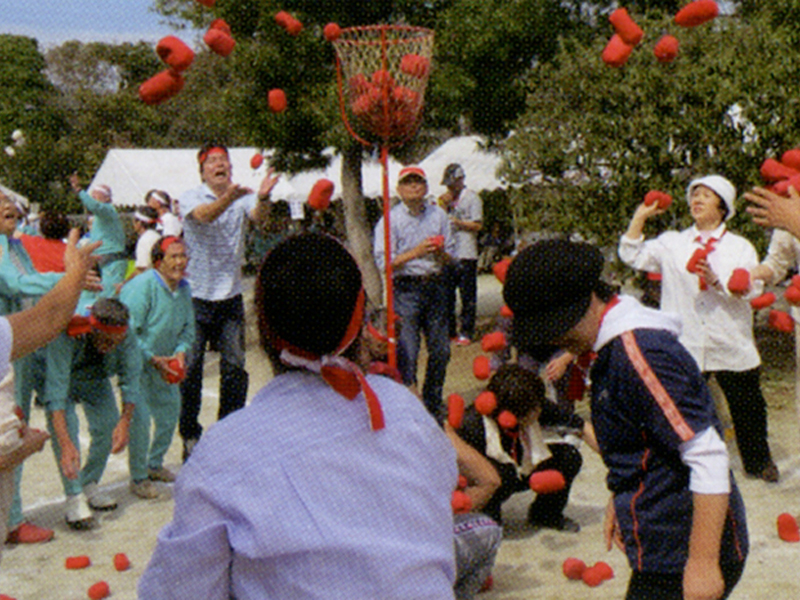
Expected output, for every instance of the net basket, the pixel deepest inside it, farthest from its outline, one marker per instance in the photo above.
(382, 73)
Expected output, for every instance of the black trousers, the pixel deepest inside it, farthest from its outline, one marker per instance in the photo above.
(669, 586)
(748, 410)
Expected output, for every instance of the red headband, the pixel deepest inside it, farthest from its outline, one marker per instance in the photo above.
(79, 325)
(168, 241)
(215, 150)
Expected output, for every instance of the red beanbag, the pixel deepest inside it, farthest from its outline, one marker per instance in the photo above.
(276, 100)
(791, 159)
(625, 27)
(696, 13)
(180, 373)
(592, 576)
(481, 368)
(493, 342)
(500, 269)
(617, 52)
(256, 160)
(739, 282)
(77, 562)
(507, 420)
(460, 502)
(697, 256)
(506, 312)
(175, 53)
(121, 562)
(486, 403)
(161, 87)
(782, 186)
(99, 591)
(605, 570)
(319, 198)
(663, 199)
(415, 65)
(547, 482)
(219, 42)
(222, 25)
(772, 170)
(455, 410)
(573, 568)
(331, 32)
(792, 295)
(291, 25)
(666, 50)
(787, 528)
(763, 301)
(780, 321)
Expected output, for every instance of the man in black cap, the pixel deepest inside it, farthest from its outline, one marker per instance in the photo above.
(465, 209)
(675, 510)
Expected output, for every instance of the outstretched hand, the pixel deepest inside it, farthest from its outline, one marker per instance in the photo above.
(270, 181)
(773, 210)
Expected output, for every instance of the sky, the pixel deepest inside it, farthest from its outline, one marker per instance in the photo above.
(53, 22)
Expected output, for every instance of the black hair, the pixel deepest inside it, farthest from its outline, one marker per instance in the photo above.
(204, 150)
(163, 193)
(54, 225)
(306, 292)
(517, 390)
(150, 213)
(157, 253)
(110, 311)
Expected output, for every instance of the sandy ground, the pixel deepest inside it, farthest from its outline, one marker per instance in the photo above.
(528, 565)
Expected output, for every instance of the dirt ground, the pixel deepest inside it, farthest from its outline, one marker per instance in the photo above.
(528, 564)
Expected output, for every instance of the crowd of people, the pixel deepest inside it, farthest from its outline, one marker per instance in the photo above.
(251, 517)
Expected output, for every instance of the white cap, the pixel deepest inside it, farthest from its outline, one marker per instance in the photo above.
(720, 186)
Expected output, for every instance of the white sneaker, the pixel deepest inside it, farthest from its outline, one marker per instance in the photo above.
(78, 514)
(145, 489)
(98, 499)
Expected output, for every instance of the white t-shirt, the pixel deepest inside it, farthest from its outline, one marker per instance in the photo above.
(143, 247)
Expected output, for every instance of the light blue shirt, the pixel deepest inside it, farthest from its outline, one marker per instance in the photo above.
(106, 226)
(162, 319)
(296, 497)
(18, 278)
(407, 232)
(216, 248)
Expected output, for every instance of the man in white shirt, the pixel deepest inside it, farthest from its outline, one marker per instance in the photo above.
(717, 324)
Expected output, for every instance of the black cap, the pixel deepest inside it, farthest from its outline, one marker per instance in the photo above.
(452, 173)
(549, 288)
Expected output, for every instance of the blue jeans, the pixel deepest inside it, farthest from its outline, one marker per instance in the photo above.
(462, 276)
(220, 323)
(421, 305)
(477, 539)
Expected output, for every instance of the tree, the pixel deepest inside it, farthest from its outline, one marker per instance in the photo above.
(602, 137)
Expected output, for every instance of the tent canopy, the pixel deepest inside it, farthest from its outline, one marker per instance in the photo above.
(132, 173)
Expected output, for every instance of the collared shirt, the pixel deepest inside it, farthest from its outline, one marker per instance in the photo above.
(216, 248)
(407, 232)
(783, 254)
(295, 496)
(162, 319)
(717, 326)
(468, 207)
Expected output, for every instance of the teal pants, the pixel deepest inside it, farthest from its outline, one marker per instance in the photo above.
(102, 415)
(28, 376)
(160, 408)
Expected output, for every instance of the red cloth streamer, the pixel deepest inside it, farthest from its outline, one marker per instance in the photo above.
(378, 367)
(625, 27)
(99, 591)
(331, 32)
(481, 368)
(787, 528)
(79, 325)
(663, 199)
(772, 170)
(319, 198)
(666, 50)
(161, 87)
(276, 99)
(617, 52)
(780, 321)
(121, 562)
(455, 411)
(175, 53)
(77, 562)
(493, 342)
(696, 13)
(739, 282)
(573, 568)
(763, 301)
(547, 482)
(256, 161)
(460, 502)
(500, 269)
(791, 159)
(219, 42)
(486, 403)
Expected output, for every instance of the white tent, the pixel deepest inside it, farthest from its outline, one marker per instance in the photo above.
(480, 165)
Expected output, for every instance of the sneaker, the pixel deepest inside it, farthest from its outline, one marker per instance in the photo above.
(145, 489)
(463, 340)
(98, 499)
(770, 473)
(78, 514)
(188, 447)
(161, 474)
(28, 533)
(563, 523)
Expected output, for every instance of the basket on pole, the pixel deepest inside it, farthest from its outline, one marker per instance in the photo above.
(382, 72)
